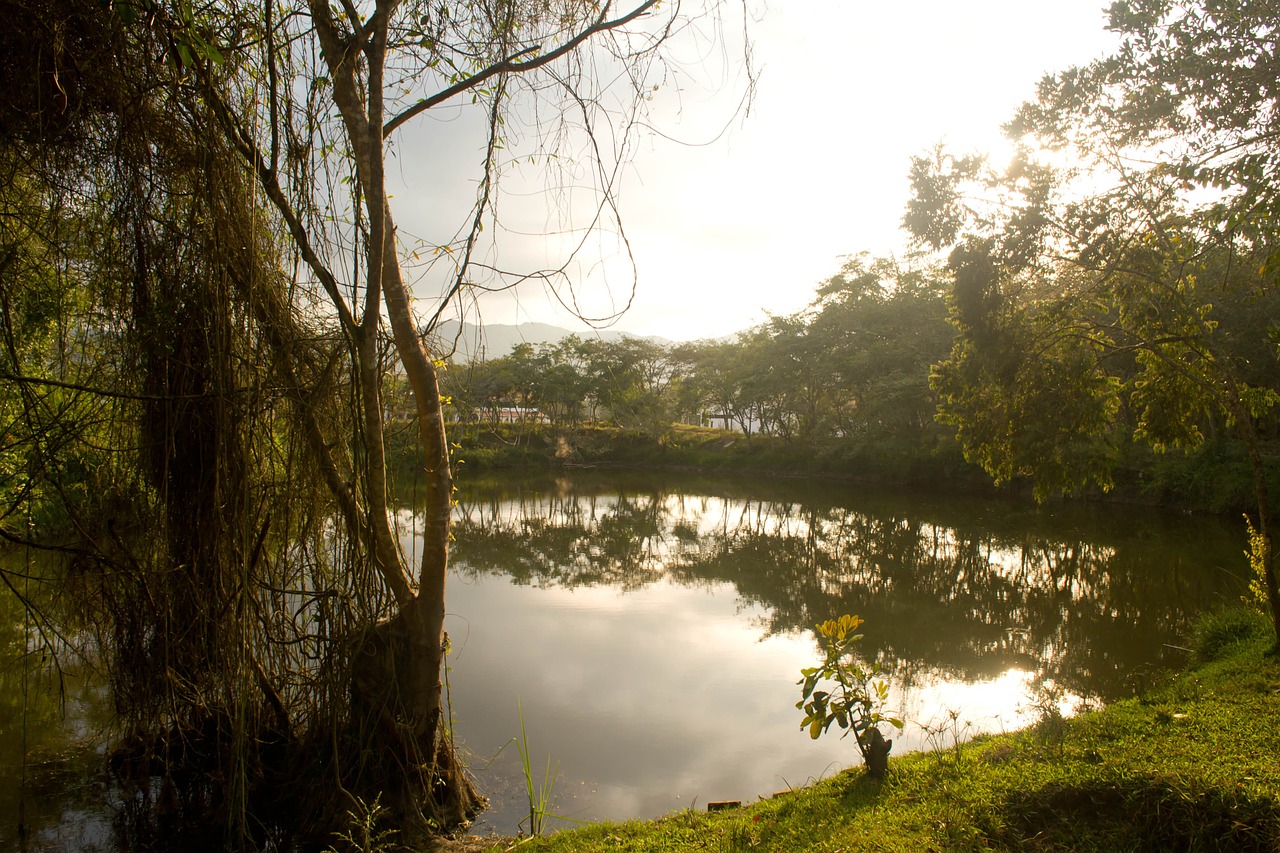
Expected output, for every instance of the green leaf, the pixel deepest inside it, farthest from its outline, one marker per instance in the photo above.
(211, 53)
(815, 729)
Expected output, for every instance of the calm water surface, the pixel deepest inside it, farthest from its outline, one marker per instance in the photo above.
(650, 630)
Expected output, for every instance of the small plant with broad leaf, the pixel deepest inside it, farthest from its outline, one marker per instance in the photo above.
(847, 691)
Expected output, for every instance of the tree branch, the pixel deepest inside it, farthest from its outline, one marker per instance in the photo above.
(102, 392)
(512, 64)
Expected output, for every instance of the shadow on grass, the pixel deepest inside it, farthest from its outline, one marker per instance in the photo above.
(860, 790)
(1138, 814)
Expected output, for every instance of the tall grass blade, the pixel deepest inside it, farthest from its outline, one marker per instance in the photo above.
(539, 794)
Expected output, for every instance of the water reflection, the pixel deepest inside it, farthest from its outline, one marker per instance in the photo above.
(52, 721)
(1080, 596)
(654, 631)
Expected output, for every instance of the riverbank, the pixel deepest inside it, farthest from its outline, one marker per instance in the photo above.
(1191, 764)
(681, 447)
(1215, 478)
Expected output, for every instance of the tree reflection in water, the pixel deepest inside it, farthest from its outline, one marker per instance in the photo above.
(654, 627)
(1083, 597)
(54, 717)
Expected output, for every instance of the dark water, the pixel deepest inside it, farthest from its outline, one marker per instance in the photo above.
(53, 724)
(650, 630)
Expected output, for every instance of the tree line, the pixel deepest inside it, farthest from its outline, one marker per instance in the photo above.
(866, 370)
(854, 363)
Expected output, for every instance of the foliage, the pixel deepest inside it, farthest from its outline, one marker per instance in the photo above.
(1216, 477)
(1027, 402)
(856, 696)
(1117, 278)
(1216, 633)
(1256, 553)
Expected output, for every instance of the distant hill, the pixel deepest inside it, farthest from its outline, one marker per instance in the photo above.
(494, 340)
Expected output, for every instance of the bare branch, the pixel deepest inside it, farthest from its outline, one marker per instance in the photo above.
(513, 64)
(482, 205)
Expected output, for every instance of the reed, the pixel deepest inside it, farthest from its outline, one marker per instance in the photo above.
(539, 793)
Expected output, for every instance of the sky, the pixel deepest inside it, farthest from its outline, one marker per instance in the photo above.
(731, 217)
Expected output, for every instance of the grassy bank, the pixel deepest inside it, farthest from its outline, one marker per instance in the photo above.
(1216, 478)
(683, 447)
(1193, 764)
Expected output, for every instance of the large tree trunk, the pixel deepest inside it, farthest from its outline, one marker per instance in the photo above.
(428, 606)
(412, 647)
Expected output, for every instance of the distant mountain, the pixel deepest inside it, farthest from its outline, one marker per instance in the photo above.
(494, 340)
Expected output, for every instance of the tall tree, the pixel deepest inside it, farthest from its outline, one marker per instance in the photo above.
(1091, 274)
(882, 324)
(334, 85)
(156, 458)
(715, 384)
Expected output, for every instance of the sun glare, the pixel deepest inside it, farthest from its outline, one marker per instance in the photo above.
(1010, 701)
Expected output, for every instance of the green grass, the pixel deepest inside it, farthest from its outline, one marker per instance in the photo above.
(1215, 478)
(1193, 764)
(685, 447)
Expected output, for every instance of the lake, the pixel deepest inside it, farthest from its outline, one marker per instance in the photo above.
(648, 632)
